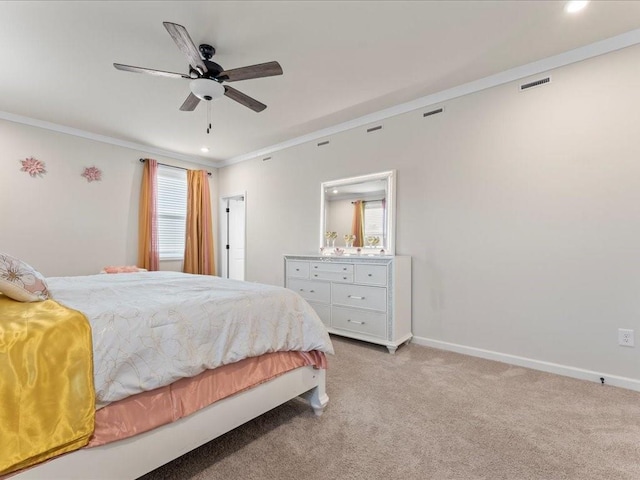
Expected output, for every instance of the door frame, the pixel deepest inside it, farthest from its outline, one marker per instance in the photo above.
(224, 234)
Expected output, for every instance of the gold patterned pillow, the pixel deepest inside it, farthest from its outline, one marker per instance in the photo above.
(20, 281)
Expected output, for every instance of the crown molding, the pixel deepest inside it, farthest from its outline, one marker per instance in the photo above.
(76, 132)
(572, 56)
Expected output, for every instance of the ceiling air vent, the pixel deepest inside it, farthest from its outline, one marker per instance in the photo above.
(536, 83)
(326, 142)
(266, 158)
(373, 129)
(433, 112)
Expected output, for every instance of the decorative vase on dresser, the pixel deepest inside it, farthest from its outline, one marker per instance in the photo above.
(360, 296)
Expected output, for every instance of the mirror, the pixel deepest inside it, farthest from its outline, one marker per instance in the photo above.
(361, 207)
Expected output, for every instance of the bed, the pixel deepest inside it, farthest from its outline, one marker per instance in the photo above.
(176, 338)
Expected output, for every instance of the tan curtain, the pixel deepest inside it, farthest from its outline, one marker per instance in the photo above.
(148, 256)
(198, 252)
(357, 226)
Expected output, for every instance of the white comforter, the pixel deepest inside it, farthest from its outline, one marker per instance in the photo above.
(150, 329)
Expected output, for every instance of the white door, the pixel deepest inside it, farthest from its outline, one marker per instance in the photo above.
(233, 230)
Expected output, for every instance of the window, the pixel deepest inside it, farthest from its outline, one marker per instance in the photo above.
(374, 219)
(172, 212)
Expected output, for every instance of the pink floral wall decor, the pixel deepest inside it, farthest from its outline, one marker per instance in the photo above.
(92, 174)
(33, 167)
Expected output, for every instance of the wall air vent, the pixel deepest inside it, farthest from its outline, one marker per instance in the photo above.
(433, 112)
(537, 83)
(373, 129)
(326, 142)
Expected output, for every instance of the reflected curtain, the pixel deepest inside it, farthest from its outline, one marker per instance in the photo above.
(148, 254)
(198, 252)
(357, 226)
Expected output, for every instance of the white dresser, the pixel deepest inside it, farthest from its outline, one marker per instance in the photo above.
(363, 297)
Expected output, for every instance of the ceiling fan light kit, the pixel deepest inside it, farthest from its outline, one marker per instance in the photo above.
(206, 89)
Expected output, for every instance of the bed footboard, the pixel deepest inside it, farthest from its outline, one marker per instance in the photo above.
(135, 456)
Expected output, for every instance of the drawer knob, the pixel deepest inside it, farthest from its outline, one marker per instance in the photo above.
(344, 278)
(355, 298)
(315, 266)
(353, 321)
(370, 275)
(312, 291)
(344, 268)
(302, 289)
(297, 269)
(315, 274)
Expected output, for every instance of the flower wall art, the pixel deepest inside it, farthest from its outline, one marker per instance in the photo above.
(33, 167)
(92, 174)
(36, 168)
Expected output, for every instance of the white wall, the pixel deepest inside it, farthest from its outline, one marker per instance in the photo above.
(521, 212)
(339, 219)
(60, 223)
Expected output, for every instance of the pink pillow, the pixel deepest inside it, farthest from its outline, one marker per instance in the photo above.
(20, 281)
(123, 269)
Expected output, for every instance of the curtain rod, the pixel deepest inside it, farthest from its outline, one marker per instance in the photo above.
(171, 166)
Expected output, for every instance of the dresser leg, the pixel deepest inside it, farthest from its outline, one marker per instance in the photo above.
(391, 349)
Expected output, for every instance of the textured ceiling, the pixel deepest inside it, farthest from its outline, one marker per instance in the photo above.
(341, 60)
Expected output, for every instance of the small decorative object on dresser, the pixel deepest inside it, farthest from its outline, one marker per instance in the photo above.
(331, 238)
(362, 297)
(349, 238)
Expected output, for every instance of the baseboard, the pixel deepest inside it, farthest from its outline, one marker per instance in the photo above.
(616, 381)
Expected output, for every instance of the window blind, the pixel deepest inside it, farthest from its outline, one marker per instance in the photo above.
(374, 219)
(172, 212)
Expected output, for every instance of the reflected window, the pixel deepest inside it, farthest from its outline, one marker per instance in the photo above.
(374, 219)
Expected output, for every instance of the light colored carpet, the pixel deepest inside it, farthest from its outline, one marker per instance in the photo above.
(430, 414)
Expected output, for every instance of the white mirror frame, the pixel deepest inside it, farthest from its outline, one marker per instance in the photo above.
(390, 204)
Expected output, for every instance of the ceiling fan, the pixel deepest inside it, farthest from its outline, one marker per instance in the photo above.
(207, 76)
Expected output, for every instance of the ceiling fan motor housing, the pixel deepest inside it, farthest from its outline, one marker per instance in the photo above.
(213, 70)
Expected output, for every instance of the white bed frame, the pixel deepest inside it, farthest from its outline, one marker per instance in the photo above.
(135, 456)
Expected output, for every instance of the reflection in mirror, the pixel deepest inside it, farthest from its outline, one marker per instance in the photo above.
(360, 210)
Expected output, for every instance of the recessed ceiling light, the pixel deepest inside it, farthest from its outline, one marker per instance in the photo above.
(575, 6)
(204, 149)
(335, 190)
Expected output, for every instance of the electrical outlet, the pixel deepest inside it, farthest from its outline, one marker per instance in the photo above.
(625, 337)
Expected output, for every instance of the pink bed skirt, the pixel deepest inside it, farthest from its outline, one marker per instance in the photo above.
(148, 410)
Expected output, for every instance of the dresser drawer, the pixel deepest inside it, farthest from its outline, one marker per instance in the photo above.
(331, 267)
(371, 274)
(333, 276)
(323, 311)
(360, 321)
(310, 290)
(298, 269)
(374, 298)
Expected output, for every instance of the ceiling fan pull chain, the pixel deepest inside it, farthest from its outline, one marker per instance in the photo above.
(208, 116)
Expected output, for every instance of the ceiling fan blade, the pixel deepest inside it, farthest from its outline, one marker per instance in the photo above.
(186, 45)
(261, 70)
(243, 99)
(149, 71)
(190, 103)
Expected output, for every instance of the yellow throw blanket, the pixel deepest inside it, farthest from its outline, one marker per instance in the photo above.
(47, 399)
